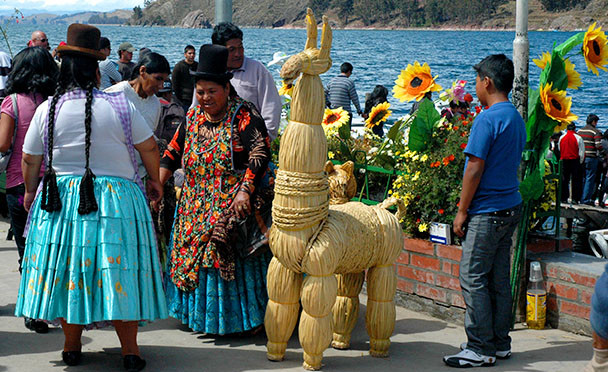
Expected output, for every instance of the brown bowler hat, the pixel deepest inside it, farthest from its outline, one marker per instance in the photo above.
(82, 40)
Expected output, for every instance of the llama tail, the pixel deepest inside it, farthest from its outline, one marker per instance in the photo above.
(392, 201)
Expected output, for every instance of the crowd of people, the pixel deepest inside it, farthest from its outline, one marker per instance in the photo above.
(97, 147)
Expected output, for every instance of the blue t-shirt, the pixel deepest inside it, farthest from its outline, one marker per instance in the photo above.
(498, 137)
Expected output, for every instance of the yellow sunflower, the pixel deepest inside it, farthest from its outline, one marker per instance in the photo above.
(556, 104)
(595, 49)
(379, 113)
(543, 60)
(414, 82)
(574, 78)
(286, 90)
(336, 117)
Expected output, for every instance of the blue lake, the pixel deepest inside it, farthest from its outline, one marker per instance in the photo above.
(378, 56)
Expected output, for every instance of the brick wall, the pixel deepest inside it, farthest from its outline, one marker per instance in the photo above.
(428, 281)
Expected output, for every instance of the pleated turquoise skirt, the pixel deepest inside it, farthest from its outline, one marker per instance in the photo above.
(94, 268)
(221, 307)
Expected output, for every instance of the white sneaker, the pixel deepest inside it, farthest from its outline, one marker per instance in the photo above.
(468, 358)
(499, 354)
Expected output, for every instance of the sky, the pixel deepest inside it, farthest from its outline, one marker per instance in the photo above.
(68, 5)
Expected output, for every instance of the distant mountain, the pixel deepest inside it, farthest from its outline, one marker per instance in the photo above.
(114, 17)
(490, 14)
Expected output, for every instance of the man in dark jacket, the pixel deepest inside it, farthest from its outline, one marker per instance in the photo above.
(183, 81)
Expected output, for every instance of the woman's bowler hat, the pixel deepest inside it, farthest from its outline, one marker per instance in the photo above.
(82, 40)
(212, 63)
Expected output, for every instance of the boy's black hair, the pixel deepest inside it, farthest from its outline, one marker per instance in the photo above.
(154, 62)
(346, 68)
(33, 71)
(500, 69)
(224, 31)
(188, 47)
(591, 118)
(571, 126)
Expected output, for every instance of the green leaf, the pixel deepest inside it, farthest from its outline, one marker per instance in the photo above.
(395, 129)
(555, 72)
(567, 45)
(421, 130)
(345, 150)
(532, 187)
(386, 160)
(344, 132)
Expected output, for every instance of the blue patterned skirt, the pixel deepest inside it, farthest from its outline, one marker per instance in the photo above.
(94, 268)
(221, 307)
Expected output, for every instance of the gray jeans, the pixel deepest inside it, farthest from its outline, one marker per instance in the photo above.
(484, 279)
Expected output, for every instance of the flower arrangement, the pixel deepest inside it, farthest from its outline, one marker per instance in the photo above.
(414, 82)
(378, 114)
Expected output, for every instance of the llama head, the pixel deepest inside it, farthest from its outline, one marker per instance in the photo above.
(342, 183)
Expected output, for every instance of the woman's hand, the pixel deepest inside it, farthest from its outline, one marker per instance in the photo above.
(155, 192)
(241, 204)
(28, 199)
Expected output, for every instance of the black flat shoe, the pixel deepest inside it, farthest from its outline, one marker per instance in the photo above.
(37, 326)
(133, 363)
(71, 358)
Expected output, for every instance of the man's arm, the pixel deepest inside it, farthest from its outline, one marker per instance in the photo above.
(270, 102)
(355, 98)
(581, 148)
(470, 182)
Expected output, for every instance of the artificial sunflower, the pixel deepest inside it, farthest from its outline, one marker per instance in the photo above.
(574, 78)
(543, 60)
(336, 117)
(595, 49)
(556, 104)
(414, 82)
(286, 90)
(379, 113)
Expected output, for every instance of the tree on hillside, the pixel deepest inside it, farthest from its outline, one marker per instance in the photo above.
(560, 5)
(137, 13)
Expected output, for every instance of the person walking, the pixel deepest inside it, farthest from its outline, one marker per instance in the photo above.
(108, 69)
(182, 79)
(217, 283)
(593, 147)
(251, 80)
(572, 154)
(603, 176)
(90, 254)
(125, 55)
(33, 79)
(341, 92)
(488, 213)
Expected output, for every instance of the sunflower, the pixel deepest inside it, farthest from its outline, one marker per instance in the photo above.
(595, 49)
(574, 78)
(414, 82)
(543, 60)
(556, 104)
(379, 113)
(336, 117)
(286, 90)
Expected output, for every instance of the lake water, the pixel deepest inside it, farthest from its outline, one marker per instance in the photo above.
(377, 56)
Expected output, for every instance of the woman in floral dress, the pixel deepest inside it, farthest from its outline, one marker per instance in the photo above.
(224, 149)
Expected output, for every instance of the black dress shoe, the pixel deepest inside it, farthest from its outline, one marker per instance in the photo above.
(71, 358)
(39, 326)
(133, 363)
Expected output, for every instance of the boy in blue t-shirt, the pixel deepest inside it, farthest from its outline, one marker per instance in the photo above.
(490, 210)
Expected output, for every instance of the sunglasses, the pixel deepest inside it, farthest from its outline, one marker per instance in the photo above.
(43, 40)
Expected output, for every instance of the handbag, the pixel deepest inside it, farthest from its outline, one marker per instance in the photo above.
(5, 157)
(252, 232)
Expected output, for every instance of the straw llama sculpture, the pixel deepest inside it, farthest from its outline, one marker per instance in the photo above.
(307, 236)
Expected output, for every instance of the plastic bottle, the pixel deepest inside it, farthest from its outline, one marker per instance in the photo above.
(536, 296)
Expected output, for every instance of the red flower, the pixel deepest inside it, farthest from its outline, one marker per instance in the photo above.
(446, 161)
(418, 220)
(478, 109)
(182, 251)
(190, 161)
(209, 159)
(441, 211)
(451, 157)
(455, 127)
(463, 146)
(487, 107)
(465, 122)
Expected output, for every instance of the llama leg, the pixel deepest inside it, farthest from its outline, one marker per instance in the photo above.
(282, 310)
(380, 316)
(318, 297)
(346, 308)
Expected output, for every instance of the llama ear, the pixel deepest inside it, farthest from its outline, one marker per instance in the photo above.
(348, 167)
(329, 167)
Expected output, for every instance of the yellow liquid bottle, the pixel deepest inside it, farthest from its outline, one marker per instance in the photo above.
(536, 298)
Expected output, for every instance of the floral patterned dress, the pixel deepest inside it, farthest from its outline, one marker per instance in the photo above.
(212, 289)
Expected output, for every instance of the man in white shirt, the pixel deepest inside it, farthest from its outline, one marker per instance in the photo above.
(251, 80)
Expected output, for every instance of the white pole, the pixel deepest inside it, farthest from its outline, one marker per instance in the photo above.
(223, 11)
(521, 53)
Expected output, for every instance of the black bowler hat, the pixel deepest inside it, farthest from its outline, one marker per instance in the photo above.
(82, 40)
(212, 63)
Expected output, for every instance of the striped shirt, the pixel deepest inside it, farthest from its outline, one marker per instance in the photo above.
(5, 68)
(593, 140)
(109, 74)
(341, 91)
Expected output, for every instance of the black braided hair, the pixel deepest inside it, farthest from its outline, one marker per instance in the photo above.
(49, 183)
(77, 72)
(87, 203)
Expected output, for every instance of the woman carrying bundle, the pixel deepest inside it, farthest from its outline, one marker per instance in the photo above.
(90, 255)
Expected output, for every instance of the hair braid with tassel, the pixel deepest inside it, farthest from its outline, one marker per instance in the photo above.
(87, 203)
(50, 193)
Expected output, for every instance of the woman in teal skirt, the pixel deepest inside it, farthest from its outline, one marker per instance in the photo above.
(217, 286)
(90, 257)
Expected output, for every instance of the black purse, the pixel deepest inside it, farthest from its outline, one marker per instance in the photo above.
(252, 232)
